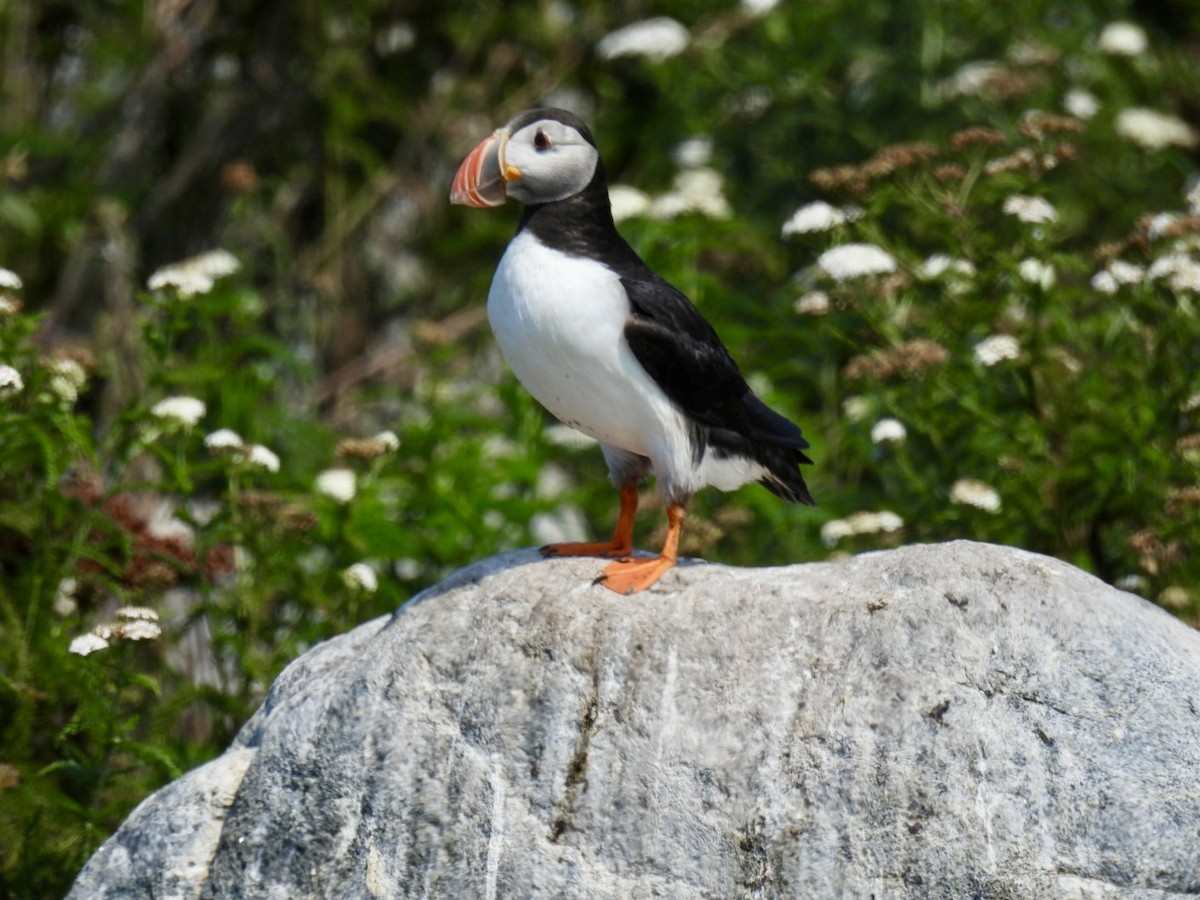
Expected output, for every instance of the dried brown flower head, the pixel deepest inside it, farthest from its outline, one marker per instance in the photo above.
(977, 135)
(1036, 124)
(907, 358)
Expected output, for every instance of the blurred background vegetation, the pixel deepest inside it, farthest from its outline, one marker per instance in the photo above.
(1014, 358)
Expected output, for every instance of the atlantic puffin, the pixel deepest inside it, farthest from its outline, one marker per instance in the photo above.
(612, 349)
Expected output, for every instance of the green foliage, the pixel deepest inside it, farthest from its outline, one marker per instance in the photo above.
(1038, 400)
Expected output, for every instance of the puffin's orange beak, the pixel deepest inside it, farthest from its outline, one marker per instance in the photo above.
(481, 179)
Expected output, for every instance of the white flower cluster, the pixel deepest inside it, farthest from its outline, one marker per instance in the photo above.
(758, 7)
(1123, 39)
(224, 440)
(10, 280)
(1116, 274)
(997, 348)
(195, 275)
(972, 78)
(67, 378)
(694, 190)
(1034, 210)
(654, 39)
(940, 264)
(972, 492)
(693, 153)
(361, 577)
(10, 381)
(866, 522)
(134, 623)
(819, 216)
(855, 260)
(1081, 104)
(1154, 130)
(337, 484)
(812, 303)
(1181, 272)
(186, 411)
(889, 431)
(1037, 272)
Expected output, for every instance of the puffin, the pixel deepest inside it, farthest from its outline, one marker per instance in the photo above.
(613, 350)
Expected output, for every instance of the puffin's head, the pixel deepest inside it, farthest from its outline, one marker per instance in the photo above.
(540, 156)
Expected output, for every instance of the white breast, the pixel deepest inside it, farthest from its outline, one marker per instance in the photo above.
(559, 321)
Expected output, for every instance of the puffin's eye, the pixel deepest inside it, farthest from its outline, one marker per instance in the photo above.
(541, 141)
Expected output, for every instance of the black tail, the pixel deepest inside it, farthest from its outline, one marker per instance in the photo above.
(775, 443)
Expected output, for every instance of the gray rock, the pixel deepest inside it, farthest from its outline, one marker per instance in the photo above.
(958, 720)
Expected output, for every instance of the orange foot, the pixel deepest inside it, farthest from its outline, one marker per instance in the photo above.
(622, 539)
(628, 576)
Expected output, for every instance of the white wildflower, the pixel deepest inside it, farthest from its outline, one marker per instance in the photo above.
(694, 153)
(67, 378)
(1105, 282)
(1035, 210)
(10, 381)
(996, 348)
(137, 614)
(65, 595)
(972, 492)
(889, 431)
(185, 410)
(338, 484)
(834, 530)
(1159, 223)
(1167, 265)
(973, 78)
(1123, 39)
(389, 440)
(694, 190)
(263, 457)
(1186, 277)
(656, 39)
(1081, 104)
(813, 303)
(865, 522)
(9, 306)
(627, 202)
(223, 439)
(1193, 199)
(856, 408)
(195, 275)
(1037, 272)
(361, 576)
(10, 280)
(87, 643)
(1126, 272)
(139, 630)
(1154, 130)
(759, 7)
(855, 260)
(939, 264)
(815, 216)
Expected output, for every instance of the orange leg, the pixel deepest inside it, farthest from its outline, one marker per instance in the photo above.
(628, 576)
(622, 539)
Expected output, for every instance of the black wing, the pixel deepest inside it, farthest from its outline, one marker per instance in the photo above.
(684, 356)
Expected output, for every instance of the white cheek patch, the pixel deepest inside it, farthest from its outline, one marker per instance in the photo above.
(554, 174)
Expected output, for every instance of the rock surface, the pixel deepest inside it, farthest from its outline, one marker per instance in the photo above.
(955, 720)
